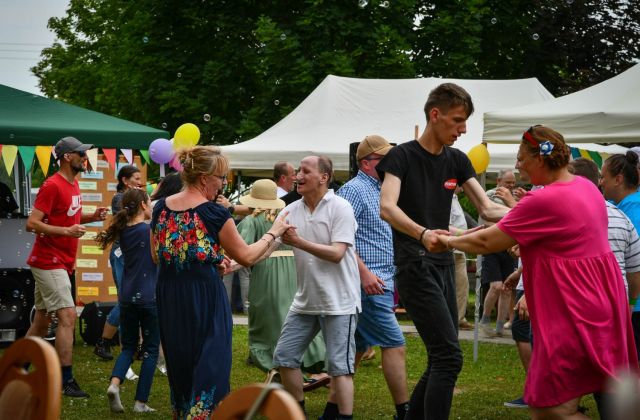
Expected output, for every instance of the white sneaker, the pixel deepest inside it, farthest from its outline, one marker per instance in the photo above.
(140, 407)
(131, 375)
(113, 393)
(162, 368)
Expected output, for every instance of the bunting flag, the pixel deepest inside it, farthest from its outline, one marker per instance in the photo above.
(27, 153)
(9, 154)
(44, 158)
(110, 155)
(145, 156)
(597, 157)
(0, 149)
(92, 158)
(128, 155)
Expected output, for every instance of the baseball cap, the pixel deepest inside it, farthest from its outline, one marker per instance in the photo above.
(373, 144)
(70, 144)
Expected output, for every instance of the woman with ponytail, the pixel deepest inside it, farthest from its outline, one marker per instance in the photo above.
(136, 296)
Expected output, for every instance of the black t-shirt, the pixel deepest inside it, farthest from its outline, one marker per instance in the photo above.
(427, 185)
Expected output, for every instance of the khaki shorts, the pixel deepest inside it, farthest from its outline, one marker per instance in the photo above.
(53, 289)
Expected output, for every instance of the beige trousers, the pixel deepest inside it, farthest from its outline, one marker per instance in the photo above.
(462, 285)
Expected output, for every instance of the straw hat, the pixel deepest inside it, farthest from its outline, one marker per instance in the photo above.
(263, 195)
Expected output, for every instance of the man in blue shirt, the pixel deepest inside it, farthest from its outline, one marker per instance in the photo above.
(377, 324)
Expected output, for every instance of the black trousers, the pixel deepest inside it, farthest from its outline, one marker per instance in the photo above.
(429, 296)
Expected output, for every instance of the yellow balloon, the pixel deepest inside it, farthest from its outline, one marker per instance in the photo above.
(187, 135)
(479, 157)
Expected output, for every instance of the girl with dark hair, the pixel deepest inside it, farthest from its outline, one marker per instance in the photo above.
(129, 177)
(169, 185)
(575, 292)
(136, 297)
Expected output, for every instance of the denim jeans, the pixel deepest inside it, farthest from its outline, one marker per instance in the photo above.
(117, 267)
(429, 295)
(133, 318)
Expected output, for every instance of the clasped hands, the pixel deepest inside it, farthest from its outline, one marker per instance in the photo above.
(437, 240)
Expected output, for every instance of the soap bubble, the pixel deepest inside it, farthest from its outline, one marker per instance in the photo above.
(535, 37)
(276, 102)
(206, 117)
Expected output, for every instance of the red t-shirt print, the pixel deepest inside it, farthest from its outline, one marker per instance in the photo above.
(451, 184)
(61, 202)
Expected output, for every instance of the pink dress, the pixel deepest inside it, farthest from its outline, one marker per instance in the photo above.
(582, 332)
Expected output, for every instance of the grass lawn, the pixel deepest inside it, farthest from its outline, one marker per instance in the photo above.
(497, 376)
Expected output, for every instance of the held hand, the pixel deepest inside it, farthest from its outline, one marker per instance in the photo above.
(76, 231)
(372, 284)
(223, 201)
(521, 307)
(280, 225)
(290, 237)
(519, 192)
(436, 240)
(224, 265)
(100, 214)
(505, 195)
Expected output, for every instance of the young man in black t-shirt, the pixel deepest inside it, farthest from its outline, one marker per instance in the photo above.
(419, 178)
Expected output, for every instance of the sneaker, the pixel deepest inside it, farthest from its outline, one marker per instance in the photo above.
(113, 393)
(140, 407)
(162, 367)
(488, 332)
(517, 403)
(507, 325)
(103, 350)
(131, 375)
(72, 389)
(465, 325)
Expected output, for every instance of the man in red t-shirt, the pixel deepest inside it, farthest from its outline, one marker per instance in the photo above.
(57, 219)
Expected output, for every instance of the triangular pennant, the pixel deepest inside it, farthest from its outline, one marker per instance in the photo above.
(9, 154)
(145, 156)
(44, 158)
(0, 149)
(584, 154)
(575, 153)
(128, 155)
(595, 156)
(92, 157)
(26, 153)
(110, 155)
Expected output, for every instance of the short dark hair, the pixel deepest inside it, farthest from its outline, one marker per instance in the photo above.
(586, 168)
(279, 169)
(446, 96)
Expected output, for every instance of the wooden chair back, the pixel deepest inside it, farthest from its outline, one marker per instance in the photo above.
(268, 400)
(33, 394)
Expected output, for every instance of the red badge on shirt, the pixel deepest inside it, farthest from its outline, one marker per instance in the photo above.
(451, 184)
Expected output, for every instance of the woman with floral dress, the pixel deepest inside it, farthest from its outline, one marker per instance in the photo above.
(189, 231)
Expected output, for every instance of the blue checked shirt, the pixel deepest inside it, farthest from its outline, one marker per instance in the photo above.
(374, 242)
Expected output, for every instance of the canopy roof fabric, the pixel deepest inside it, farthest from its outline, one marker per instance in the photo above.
(343, 110)
(608, 112)
(31, 120)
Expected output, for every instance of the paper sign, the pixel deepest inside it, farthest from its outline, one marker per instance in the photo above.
(92, 277)
(92, 175)
(88, 185)
(89, 236)
(92, 249)
(84, 263)
(103, 164)
(88, 291)
(92, 197)
(89, 209)
(112, 186)
(113, 290)
(94, 224)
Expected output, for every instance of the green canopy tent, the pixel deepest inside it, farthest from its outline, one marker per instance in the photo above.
(31, 120)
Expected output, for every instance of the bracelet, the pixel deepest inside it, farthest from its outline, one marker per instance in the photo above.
(271, 234)
(423, 232)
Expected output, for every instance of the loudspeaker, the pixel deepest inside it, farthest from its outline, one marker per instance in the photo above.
(353, 163)
(16, 301)
(92, 321)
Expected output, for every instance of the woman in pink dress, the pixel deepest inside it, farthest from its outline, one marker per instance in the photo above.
(575, 292)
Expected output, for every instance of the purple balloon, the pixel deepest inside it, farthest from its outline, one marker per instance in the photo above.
(161, 151)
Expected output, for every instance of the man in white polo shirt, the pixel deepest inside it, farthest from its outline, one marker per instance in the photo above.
(328, 296)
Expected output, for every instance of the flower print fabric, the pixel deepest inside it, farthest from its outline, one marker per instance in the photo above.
(193, 309)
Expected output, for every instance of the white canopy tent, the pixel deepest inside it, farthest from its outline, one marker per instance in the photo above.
(343, 110)
(608, 112)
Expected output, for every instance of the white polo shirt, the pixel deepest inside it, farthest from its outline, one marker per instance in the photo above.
(324, 287)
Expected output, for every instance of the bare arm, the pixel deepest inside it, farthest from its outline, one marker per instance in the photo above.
(485, 241)
(238, 249)
(36, 225)
(97, 216)
(488, 209)
(391, 213)
(332, 252)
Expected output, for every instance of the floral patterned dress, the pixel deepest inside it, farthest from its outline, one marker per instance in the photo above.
(193, 310)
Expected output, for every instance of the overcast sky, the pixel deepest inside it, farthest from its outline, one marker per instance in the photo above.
(23, 34)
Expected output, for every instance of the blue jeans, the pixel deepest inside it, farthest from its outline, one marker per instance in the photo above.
(134, 318)
(117, 267)
(428, 293)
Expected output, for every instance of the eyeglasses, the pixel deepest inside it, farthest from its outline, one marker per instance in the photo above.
(222, 178)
